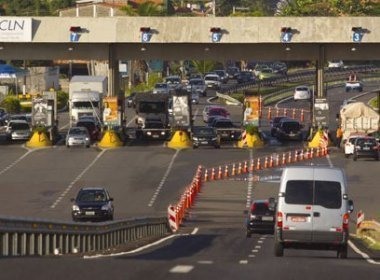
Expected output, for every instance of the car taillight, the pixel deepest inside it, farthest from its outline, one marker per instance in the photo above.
(279, 219)
(253, 207)
(346, 218)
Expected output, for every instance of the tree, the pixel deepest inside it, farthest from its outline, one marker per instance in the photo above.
(324, 8)
(203, 66)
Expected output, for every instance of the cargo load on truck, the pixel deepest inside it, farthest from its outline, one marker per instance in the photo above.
(358, 118)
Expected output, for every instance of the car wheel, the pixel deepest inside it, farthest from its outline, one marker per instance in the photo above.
(342, 252)
(217, 146)
(278, 249)
(347, 90)
(195, 147)
(355, 158)
(87, 146)
(248, 234)
(346, 155)
(68, 146)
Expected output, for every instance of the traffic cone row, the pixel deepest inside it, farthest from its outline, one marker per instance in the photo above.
(295, 113)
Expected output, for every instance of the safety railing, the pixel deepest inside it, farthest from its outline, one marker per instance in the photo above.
(30, 237)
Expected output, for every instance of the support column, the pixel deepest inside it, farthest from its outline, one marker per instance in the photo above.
(114, 81)
(320, 72)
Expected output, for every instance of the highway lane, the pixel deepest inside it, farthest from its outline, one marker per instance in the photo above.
(218, 246)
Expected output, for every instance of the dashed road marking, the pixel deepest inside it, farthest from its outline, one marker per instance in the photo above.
(69, 187)
(257, 247)
(163, 180)
(243, 262)
(255, 251)
(260, 241)
(181, 269)
(252, 256)
(250, 182)
(15, 162)
(205, 262)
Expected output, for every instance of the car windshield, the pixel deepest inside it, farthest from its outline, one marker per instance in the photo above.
(88, 125)
(261, 208)
(218, 112)
(20, 126)
(203, 131)
(223, 124)
(91, 196)
(291, 125)
(366, 142)
(302, 89)
(154, 124)
(77, 131)
(161, 86)
(212, 78)
(324, 193)
(196, 82)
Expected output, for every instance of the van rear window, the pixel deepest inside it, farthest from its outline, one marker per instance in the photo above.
(323, 193)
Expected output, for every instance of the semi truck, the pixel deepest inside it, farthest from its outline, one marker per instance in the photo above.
(152, 108)
(85, 97)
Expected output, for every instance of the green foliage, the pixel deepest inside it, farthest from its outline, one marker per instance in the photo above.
(203, 66)
(152, 80)
(145, 9)
(251, 129)
(11, 104)
(325, 8)
(62, 99)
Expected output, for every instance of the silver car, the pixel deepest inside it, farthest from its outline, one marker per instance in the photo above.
(18, 130)
(78, 136)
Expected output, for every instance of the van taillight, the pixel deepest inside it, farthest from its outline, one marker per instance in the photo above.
(346, 218)
(279, 219)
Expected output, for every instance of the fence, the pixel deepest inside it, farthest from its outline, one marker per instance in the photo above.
(21, 237)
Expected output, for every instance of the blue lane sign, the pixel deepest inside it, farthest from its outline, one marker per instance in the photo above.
(145, 36)
(357, 37)
(286, 37)
(74, 37)
(216, 36)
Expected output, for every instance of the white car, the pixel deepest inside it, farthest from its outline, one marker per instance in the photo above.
(349, 144)
(335, 64)
(302, 93)
(354, 85)
(212, 81)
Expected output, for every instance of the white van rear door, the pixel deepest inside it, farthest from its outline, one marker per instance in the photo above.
(298, 211)
(327, 211)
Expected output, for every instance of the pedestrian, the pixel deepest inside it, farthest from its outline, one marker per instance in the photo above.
(339, 135)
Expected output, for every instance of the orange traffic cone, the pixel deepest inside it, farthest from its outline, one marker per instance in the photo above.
(258, 167)
(206, 176)
(220, 173)
(311, 153)
(271, 162)
(283, 159)
(301, 155)
(239, 168)
(212, 174)
(233, 172)
(266, 163)
(226, 171)
(277, 160)
(245, 168)
(252, 167)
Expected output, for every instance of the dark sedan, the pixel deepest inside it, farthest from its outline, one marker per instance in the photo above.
(204, 136)
(92, 204)
(366, 147)
(261, 217)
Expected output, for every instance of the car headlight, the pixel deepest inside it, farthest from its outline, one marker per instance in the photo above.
(253, 216)
(75, 207)
(149, 133)
(106, 207)
(215, 139)
(87, 139)
(195, 138)
(162, 132)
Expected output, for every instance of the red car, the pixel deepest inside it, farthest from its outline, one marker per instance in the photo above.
(218, 111)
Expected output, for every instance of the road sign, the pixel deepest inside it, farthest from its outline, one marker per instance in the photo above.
(321, 112)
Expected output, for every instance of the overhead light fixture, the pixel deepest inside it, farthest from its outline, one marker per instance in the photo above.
(1, 48)
(288, 49)
(143, 49)
(353, 49)
(216, 34)
(70, 49)
(207, 49)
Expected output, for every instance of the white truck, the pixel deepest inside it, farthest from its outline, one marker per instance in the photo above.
(357, 118)
(85, 96)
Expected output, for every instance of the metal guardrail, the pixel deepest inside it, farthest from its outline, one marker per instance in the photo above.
(300, 76)
(22, 237)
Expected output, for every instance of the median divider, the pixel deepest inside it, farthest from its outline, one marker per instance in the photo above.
(177, 212)
(368, 229)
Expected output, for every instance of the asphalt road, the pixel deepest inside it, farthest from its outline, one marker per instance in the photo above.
(144, 178)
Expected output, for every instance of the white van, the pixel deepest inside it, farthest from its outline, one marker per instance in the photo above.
(312, 210)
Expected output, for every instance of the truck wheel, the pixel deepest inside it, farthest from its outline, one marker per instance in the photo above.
(346, 155)
(342, 252)
(278, 249)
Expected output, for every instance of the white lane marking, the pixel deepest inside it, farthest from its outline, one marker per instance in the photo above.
(181, 269)
(250, 181)
(64, 126)
(251, 256)
(329, 161)
(205, 262)
(195, 230)
(364, 255)
(163, 180)
(63, 194)
(282, 100)
(195, 114)
(15, 162)
(263, 238)
(243, 261)
(260, 241)
(257, 247)
(255, 251)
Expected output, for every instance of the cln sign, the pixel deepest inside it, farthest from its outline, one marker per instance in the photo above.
(15, 29)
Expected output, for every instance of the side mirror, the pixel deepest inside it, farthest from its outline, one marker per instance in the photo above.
(350, 206)
(272, 204)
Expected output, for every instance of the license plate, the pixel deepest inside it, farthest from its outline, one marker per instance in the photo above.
(366, 148)
(155, 136)
(204, 142)
(298, 219)
(90, 213)
(267, 218)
